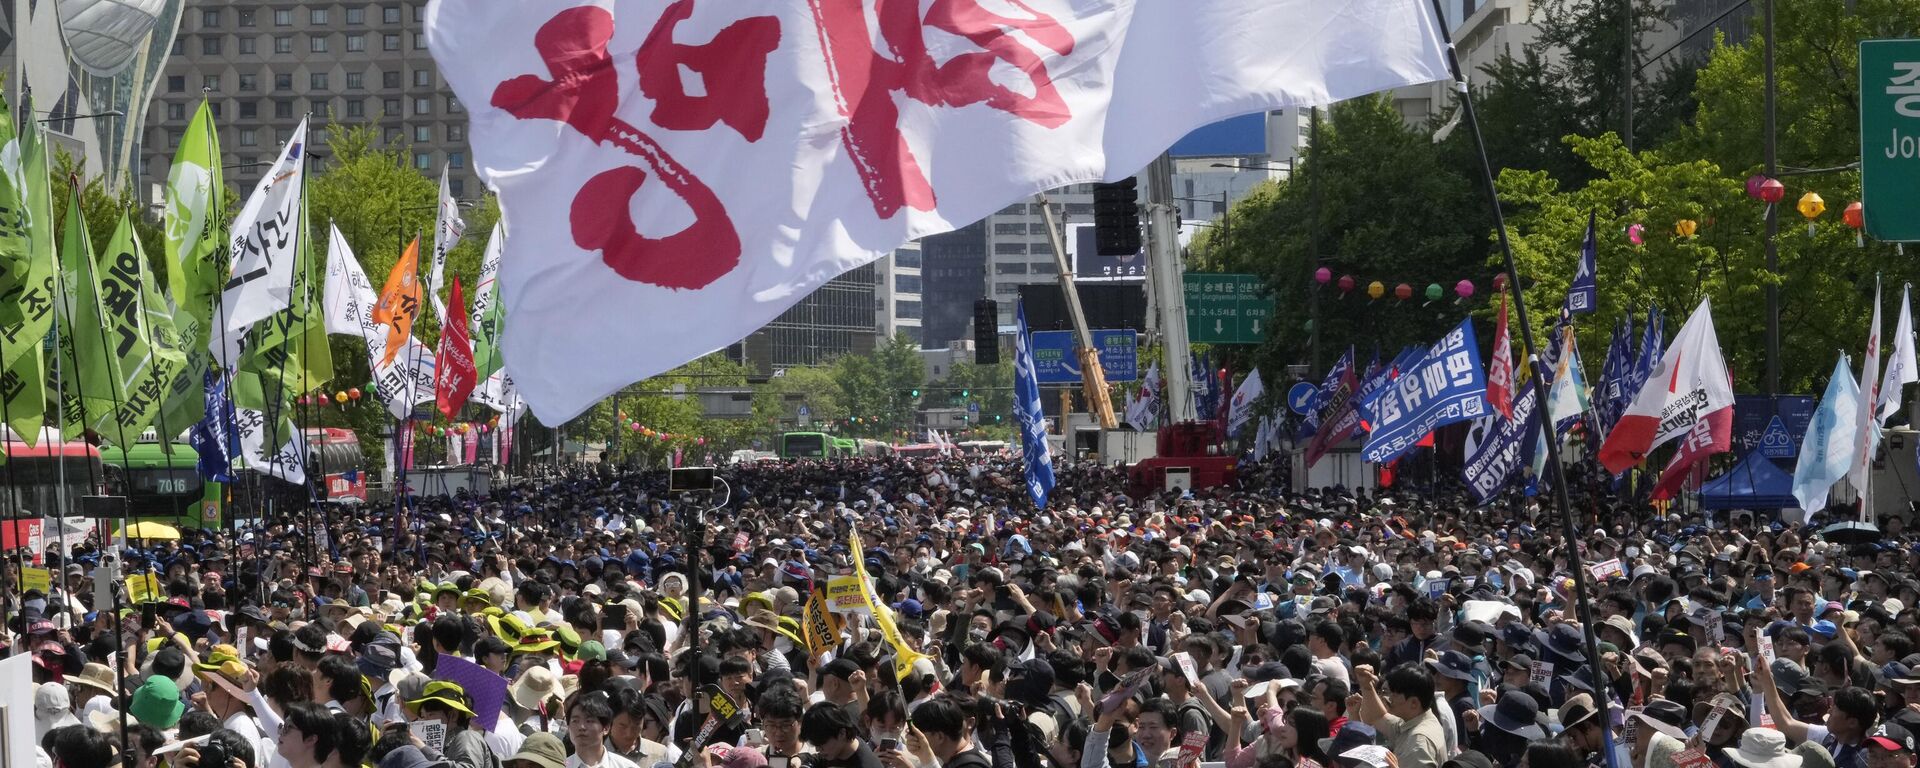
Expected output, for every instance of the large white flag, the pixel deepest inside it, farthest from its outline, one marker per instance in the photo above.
(1689, 390)
(674, 175)
(266, 242)
(1826, 452)
(1866, 438)
(447, 230)
(349, 304)
(1241, 410)
(1901, 368)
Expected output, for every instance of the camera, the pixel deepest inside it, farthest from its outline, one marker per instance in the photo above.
(213, 754)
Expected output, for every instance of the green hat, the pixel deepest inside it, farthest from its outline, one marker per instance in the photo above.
(569, 639)
(591, 650)
(157, 703)
(446, 587)
(450, 694)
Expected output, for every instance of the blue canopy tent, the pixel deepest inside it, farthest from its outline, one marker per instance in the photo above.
(1755, 483)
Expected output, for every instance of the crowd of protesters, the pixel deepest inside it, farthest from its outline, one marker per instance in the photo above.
(546, 625)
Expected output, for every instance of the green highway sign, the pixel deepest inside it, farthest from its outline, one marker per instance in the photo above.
(1227, 309)
(1890, 138)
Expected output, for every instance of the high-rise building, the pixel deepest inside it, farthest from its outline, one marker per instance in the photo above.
(97, 62)
(1687, 35)
(836, 319)
(899, 306)
(267, 65)
(953, 269)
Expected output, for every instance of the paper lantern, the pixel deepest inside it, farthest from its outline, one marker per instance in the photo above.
(1772, 191)
(485, 429)
(1403, 291)
(1685, 228)
(1433, 292)
(1322, 275)
(1375, 289)
(1753, 185)
(665, 437)
(703, 441)
(1463, 289)
(340, 397)
(1811, 206)
(1346, 283)
(634, 426)
(1855, 215)
(353, 394)
(1637, 234)
(1500, 282)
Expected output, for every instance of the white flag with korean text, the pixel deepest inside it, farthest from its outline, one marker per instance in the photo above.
(674, 175)
(349, 304)
(266, 241)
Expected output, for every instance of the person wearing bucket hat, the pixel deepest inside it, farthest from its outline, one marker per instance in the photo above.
(1763, 748)
(540, 750)
(156, 703)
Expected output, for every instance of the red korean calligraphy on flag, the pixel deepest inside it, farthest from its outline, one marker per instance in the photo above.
(455, 376)
(1500, 365)
(674, 174)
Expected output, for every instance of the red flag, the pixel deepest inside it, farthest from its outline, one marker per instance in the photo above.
(454, 376)
(1500, 366)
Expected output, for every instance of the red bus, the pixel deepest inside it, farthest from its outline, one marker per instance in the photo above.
(44, 482)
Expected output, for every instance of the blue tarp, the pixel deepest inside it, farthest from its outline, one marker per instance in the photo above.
(1755, 483)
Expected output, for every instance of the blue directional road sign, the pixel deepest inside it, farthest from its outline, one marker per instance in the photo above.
(1300, 397)
(1055, 363)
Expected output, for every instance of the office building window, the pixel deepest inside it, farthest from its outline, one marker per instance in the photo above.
(423, 160)
(356, 107)
(179, 46)
(389, 42)
(283, 44)
(457, 187)
(318, 17)
(906, 283)
(1006, 289)
(317, 81)
(249, 137)
(390, 14)
(283, 109)
(1010, 248)
(390, 79)
(419, 13)
(176, 83)
(393, 136)
(249, 82)
(249, 109)
(246, 16)
(317, 106)
(317, 43)
(422, 78)
(1009, 268)
(210, 18)
(422, 134)
(453, 106)
(176, 111)
(210, 45)
(356, 43)
(283, 17)
(356, 81)
(211, 83)
(173, 138)
(423, 106)
(282, 81)
(906, 259)
(214, 108)
(457, 160)
(356, 15)
(906, 310)
(1045, 269)
(248, 44)
(391, 107)
(456, 133)
(419, 41)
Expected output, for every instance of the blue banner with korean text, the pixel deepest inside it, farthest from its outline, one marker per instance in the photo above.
(1443, 386)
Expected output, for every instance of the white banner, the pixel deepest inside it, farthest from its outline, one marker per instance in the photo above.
(447, 230)
(266, 240)
(286, 463)
(701, 168)
(349, 304)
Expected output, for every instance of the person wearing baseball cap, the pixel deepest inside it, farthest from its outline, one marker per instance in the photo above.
(1890, 745)
(228, 680)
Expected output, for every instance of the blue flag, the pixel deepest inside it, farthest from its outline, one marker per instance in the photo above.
(1202, 388)
(1827, 451)
(1652, 345)
(1608, 399)
(216, 438)
(1322, 395)
(1445, 385)
(1583, 294)
(1027, 412)
(1505, 449)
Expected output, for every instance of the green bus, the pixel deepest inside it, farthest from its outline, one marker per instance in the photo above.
(815, 445)
(162, 486)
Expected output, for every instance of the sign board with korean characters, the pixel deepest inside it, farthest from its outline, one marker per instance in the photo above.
(1890, 138)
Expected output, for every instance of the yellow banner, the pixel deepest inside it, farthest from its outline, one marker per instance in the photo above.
(818, 626)
(903, 655)
(36, 578)
(142, 588)
(845, 594)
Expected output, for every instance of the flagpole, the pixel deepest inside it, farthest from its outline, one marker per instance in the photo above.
(1567, 530)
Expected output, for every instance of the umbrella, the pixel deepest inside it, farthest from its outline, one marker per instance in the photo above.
(152, 530)
(1851, 532)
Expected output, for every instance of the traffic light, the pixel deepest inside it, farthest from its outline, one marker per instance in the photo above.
(996, 418)
(986, 332)
(915, 394)
(1116, 218)
(964, 394)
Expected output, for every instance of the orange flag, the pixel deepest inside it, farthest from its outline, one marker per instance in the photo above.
(400, 301)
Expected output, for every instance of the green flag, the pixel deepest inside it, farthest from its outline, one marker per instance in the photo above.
(13, 218)
(487, 312)
(196, 244)
(140, 335)
(91, 367)
(23, 386)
